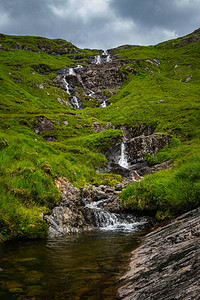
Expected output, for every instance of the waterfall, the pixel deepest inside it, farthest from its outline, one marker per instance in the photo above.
(71, 72)
(91, 93)
(78, 67)
(103, 104)
(107, 55)
(74, 99)
(104, 58)
(106, 220)
(123, 161)
(66, 85)
(75, 102)
(97, 60)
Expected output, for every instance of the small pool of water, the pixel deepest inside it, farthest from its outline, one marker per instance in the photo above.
(86, 266)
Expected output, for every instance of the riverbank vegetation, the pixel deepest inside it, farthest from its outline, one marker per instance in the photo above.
(162, 93)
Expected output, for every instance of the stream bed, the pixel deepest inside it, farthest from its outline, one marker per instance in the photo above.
(85, 266)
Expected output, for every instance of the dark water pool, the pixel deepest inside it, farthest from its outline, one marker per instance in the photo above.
(77, 267)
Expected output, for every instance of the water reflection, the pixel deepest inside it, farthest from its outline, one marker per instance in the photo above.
(76, 267)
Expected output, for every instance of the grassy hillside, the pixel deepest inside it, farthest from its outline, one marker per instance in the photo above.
(164, 93)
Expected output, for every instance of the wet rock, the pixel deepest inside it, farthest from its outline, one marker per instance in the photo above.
(72, 215)
(69, 217)
(167, 264)
(97, 81)
(136, 149)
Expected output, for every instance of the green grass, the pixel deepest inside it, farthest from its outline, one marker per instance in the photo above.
(29, 165)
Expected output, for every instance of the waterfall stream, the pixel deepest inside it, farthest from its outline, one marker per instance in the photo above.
(104, 58)
(103, 104)
(98, 59)
(74, 100)
(107, 55)
(66, 85)
(106, 220)
(123, 161)
(72, 72)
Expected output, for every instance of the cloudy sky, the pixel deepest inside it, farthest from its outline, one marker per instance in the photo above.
(101, 24)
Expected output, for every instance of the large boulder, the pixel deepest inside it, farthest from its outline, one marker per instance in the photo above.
(141, 145)
(167, 264)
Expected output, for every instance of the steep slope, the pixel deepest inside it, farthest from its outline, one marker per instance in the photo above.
(63, 109)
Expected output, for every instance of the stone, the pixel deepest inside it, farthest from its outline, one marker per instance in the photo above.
(72, 215)
(135, 149)
(43, 124)
(141, 145)
(188, 79)
(167, 264)
(66, 123)
(97, 127)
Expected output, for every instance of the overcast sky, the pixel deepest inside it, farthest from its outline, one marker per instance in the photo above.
(101, 24)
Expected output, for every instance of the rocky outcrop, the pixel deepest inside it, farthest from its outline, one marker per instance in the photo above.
(141, 145)
(136, 149)
(167, 264)
(192, 38)
(43, 124)
(67, 218)
(72, 215)
(94, 81)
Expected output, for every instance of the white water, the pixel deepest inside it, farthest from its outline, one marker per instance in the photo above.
(75, 102)
(103, 104)
(66, 85)
(74, 99)
(104, 58)
(108, 58)
(78, 67)
(91, 94)
(123, 161)
(71, 72)
(111, 221)
(97, 60)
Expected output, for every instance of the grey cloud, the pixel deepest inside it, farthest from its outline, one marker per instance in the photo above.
(149, 14)
(123, 22)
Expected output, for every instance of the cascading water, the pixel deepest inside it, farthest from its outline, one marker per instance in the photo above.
(91, 93)
(107, 56)
(72, 72)
(123, 161)
(106, 220)
(104, 58)
(74, 99)
(103, 104)
(75, 102)
(78, 67)
(66, 85)
(97, 60)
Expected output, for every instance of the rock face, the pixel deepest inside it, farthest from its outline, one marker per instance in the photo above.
(72, 216)
(68, 217)
(94, 81)
(135, 151)
(43, 124)
(167, 264)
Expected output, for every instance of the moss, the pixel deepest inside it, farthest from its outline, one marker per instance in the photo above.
(154, 95)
